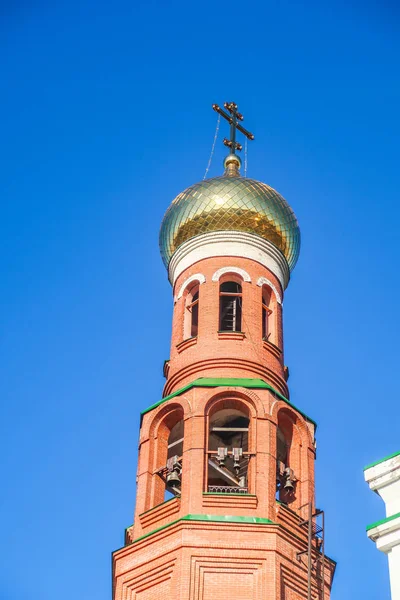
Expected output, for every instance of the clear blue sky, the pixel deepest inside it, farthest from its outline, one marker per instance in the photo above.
(106, 111)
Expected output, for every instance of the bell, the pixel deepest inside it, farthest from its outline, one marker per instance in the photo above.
(173, 479)
(237, 454)
(288, 485)
(222, 453)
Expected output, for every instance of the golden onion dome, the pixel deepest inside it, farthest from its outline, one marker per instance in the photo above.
(230, 203)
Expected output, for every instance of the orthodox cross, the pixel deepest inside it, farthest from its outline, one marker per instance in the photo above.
(233, 117)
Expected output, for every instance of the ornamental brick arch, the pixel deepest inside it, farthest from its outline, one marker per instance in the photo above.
(301, 423)
(196, 278)
(231, 271)
(246, 396)
(152, 420)
(299, 457)
(166, 419)
(261, 281)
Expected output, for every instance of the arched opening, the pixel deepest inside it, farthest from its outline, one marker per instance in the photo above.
(170, 436)
(230, 306)
(282, 448)
(191, 319)
(228, 451)
(173, 478)
(285, 477)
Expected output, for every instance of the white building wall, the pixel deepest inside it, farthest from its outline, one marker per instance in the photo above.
(383, 477)
(394, 569)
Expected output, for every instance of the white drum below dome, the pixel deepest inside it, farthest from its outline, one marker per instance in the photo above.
(229, 243)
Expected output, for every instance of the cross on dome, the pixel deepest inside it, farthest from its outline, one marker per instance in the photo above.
(233, 119)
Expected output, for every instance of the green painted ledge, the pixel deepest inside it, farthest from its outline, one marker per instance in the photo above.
(228, 519)
(231, 382)
(210, 519)
(378, 462)
(382, 521)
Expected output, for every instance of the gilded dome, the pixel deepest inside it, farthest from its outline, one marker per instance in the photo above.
(230, 203)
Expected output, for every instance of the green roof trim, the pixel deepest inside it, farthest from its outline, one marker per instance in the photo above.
(382, 521)
(378, 462)
(229, 519)
(177, 393)
(146, 535)
(210, 519)
(231, 382)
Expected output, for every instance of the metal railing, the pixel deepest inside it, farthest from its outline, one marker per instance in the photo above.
(227, 489)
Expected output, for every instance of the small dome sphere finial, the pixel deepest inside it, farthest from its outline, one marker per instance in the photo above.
(232, 164)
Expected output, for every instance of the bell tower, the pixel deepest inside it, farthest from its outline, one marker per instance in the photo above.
(225, 503)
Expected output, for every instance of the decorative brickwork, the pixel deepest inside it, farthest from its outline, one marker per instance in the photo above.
(227, 355)
(199, 277)
(200, 558)
(238, 458)
(228, 270)
(264, 281)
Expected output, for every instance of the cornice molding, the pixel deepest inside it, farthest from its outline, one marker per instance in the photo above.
(229, 243)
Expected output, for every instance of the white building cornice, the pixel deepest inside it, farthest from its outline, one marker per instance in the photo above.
(383, 477)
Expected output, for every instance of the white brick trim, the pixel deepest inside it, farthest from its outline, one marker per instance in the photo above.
(243, 274)
(230, 244)
(264, 281)
(197, 277)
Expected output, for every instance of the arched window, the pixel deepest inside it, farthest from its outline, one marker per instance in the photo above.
(228, 451)
(230, 306)
(191, 320)
(266, 313)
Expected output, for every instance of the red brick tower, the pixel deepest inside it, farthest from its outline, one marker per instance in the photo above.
(225, 505)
